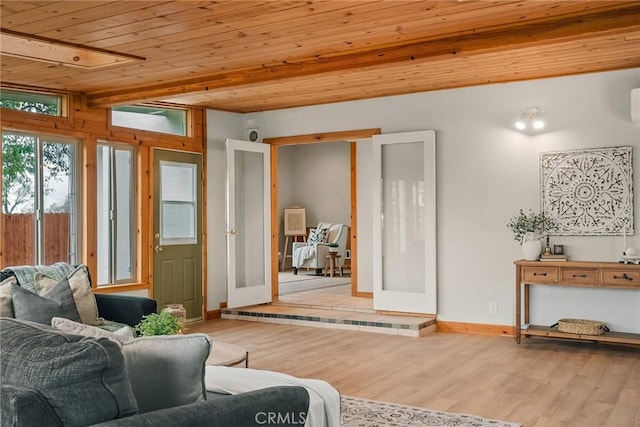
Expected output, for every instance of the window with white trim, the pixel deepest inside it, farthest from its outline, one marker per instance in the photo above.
(116, 214)
(178, 199)
(39, 198)
(32, 102)
(156, 119)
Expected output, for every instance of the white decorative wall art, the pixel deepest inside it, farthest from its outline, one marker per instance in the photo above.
(588, 192)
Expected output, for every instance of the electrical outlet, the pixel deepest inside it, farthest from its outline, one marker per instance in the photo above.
(493, 307)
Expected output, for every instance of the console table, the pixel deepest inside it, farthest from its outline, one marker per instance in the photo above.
(572, 274)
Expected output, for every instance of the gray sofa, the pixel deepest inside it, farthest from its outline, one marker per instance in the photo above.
(72, 368)
(124, 309)
(52, 378)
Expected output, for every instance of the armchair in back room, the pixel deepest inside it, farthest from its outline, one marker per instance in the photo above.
(313, 252)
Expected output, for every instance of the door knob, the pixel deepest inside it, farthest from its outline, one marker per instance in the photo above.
(157, 249)
(232, 231)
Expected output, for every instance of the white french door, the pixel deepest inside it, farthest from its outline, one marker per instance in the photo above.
(248, 224)
(404, 222)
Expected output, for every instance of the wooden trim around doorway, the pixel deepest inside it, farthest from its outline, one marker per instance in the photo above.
(315, 138)
(349, 136)
(275, 232)
(354, 220)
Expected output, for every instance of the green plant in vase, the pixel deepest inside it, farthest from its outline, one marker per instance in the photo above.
(159, 324)
(537, 223)
(528, 228)
(333, 247)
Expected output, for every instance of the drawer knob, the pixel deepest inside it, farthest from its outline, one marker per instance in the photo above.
(624, 276)
(584, 276)
(540, 274)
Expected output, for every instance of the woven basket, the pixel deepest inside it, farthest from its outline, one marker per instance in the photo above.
(582, 327)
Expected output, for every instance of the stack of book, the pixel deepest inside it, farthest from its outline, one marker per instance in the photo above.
(552, 257)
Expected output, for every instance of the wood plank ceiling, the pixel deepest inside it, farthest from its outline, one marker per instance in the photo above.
(250, 55)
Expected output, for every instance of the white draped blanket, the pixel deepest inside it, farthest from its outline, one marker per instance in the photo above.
(324, 400)
(300, 255)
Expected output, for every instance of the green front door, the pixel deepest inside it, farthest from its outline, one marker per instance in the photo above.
(177, 219)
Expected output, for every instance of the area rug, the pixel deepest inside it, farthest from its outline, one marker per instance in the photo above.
(288, 276)
(358, 412)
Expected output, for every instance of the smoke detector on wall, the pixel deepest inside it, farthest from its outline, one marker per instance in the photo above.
(253, 135)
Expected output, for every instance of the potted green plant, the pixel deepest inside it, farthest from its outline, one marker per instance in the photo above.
(159, 324)
(333, 247)
(528, 228)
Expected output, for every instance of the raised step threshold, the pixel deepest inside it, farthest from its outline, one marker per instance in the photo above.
(411, 326)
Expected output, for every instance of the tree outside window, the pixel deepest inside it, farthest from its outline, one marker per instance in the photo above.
(38, 194)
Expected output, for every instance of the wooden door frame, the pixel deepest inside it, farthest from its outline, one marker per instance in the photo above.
(350, 136)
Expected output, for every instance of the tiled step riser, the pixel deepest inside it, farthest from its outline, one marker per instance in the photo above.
(429, 326)
(323, 307)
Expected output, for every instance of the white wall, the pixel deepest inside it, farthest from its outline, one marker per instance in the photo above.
(486, 172)
(316, 177)
(220, 125)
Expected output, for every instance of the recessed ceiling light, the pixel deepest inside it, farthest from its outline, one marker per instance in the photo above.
(36, 48)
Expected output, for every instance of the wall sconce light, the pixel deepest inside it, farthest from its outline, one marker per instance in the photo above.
(531, 119)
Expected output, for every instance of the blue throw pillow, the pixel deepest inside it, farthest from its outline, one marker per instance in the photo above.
(57, 302)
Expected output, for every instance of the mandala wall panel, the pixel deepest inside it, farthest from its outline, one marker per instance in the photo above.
(588, 192)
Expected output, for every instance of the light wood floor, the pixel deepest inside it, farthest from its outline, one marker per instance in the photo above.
(540, 383)
(334, 297)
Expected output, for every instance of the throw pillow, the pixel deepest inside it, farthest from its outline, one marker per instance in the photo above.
(171, 363)
(57, 302)
(83, 380)
(71, 327)
(317, 235)
(117, 328)
(6, 310)
(80, 288)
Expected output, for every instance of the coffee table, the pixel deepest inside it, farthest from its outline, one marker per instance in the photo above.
(224, 354)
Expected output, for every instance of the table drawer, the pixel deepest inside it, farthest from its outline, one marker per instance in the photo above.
(540, 274)
(621, 277)
(579, 275)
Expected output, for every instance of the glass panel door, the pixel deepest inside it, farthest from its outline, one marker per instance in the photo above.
(59, 200)
(404, 234)
(39, 199)
(248, 223)
(403, 217)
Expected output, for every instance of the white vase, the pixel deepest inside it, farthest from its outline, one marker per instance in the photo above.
(531, 246)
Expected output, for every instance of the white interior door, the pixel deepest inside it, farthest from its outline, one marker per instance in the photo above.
(248, 224)
(404, 222)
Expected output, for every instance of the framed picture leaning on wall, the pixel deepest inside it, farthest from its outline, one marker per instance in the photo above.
(295, 222)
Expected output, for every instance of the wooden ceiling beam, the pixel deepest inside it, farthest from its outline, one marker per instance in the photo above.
(529, 35)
